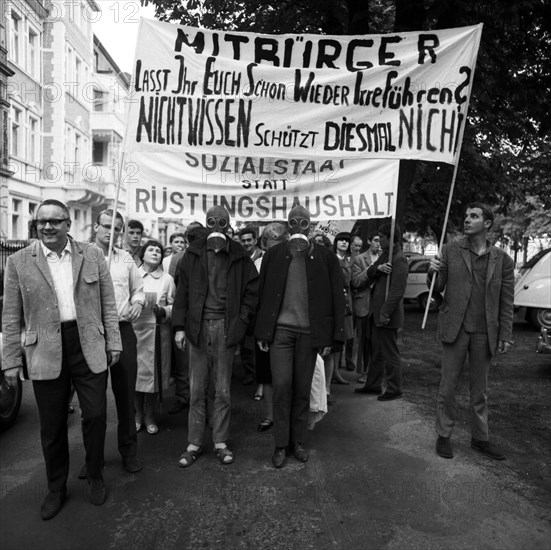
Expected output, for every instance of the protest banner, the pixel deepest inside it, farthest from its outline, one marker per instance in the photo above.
(186, 185)
(395, 96)
(258, 123)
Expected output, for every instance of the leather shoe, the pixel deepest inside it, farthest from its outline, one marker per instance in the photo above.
(132, 464)
(96, 491)
(279, 457)
(374, 391)
(300, 453)
(52, 504)
(179, 406)
(485, 447)
(444, 447)
(389, 396)
(341, 381)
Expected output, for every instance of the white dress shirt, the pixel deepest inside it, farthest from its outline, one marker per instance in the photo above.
(127, 282)
(61, 270)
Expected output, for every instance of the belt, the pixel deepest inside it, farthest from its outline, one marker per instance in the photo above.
(68, 324)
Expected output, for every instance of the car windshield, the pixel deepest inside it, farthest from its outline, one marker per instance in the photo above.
(535, 259)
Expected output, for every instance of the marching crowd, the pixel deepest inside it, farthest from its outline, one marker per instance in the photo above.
(284, 303)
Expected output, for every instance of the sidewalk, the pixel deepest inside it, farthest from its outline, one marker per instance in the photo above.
(373, 481)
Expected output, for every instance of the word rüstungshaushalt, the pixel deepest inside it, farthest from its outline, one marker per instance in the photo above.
(162, 201)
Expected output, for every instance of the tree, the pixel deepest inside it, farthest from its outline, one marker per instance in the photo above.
(506, 153)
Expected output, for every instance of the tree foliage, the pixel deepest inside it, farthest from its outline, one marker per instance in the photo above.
(506, 152)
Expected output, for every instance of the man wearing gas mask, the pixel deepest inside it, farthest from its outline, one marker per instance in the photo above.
(300, 313)
(215, 300)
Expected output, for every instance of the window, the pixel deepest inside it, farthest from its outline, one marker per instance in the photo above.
(69, 63)
(77, 150)
(99, 100)
(33, 140)
(15, 218)
(78, 70)
(15, 38)
(33, 54)
(15, 132)
(98, 152)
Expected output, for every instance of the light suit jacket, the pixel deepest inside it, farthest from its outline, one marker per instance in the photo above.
(30, 302)
(361, 290)
(455, 276)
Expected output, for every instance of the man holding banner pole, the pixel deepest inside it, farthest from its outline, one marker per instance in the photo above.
(476, 317)
(386, 316)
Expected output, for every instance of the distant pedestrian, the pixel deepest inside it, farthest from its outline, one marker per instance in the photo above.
(177, 244)
(60, 293)
(133, 239)
(476, 319)
(361, 296)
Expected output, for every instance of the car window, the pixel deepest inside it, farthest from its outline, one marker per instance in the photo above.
(421, 266)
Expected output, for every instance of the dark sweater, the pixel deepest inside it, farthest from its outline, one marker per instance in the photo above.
(294, 307)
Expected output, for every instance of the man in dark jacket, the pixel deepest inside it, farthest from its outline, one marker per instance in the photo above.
(215, 301)
(386, 316)
(300, 313)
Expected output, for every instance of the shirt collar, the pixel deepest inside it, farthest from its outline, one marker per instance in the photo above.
(157, 274)
(48, 253)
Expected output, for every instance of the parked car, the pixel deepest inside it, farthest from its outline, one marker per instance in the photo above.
(533, 290)
(417, 289)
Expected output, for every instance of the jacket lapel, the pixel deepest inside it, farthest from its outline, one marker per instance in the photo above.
(76, 260)
(466, 253)
(42, 264)
(491, 264)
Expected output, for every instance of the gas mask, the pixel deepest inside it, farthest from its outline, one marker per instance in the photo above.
(218, 221)
(299, 225)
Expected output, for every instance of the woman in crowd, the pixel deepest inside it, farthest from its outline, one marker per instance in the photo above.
(341, 247)
(154, 337)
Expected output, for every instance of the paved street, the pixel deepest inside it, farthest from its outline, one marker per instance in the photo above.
(373, 481)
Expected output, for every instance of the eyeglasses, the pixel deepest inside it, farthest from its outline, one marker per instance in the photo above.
(222, 222)
(108, 227)
(54, 222)
(303, 223)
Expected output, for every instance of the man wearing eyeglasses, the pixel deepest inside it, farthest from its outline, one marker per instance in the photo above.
(60, 292)
(300, 313)
(130, 299)
(215, 301)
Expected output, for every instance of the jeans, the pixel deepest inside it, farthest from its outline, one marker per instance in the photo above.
(292, 361)
(453, 359)
(210, 360)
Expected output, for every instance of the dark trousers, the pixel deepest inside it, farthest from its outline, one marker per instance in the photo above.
(384, 359)
(180, 372)
(123, 384)
(247, 353)
(52, 399)
(292, 360)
